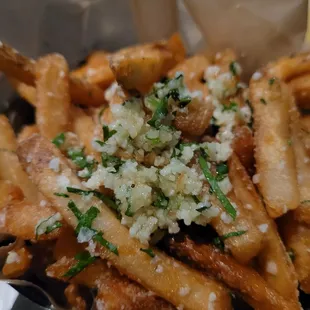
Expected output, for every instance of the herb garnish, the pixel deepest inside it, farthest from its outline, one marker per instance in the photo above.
(61, 195)
(221, 172)
(97, 194)
(111, 161)
(83, 260)
(263, 101)
(107, 134)
(291, 254)
(233, 68)
(79, 159)
(85, 221)
(232, 106)
(160, 112)
(216, 189)
(161, 201)
(149, 252)
(49, 228)
(203, 208)
(219, 241)
(289, 142)
(271, 81)
(59, 139)
(305, 201)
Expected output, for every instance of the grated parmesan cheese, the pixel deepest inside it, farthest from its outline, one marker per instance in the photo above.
(271, 267)
(12, 257)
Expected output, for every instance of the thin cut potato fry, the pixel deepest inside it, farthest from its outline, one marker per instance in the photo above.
(137, 68)
(96, 71)
(287, 68)
(19, 67)
(233, 274)
(73, 297)
(301, 90)
(284, 280)
(114, 289)
(275, 163)
(84, 126)
(9, 193)
(246, 246)
(200, 110)
(52, 95)
(243, 147)
(130, 260)
(24, 226)
(17, 265)
(27, 132)
(296, 238)
(13, 171)
(302, 213)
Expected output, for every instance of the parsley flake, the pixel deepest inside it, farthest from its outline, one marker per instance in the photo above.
(232, 106)
(61, 195)
(148, 251)
(271, 81)
(59, 140)
(263, 101)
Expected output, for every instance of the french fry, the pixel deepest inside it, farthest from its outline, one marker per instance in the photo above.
(74, 299)
(243, 147)
(287, 68)
(19, 67)
(17, 263)
(52, 95)
(275, 163)
(296, 239)
(302, 213)
(246, 246)
(197, 119)
(27, 92)
(301, 89)
(236, 276)
(27, 132)
(284, 280)
(14, 171)
(24, 227)
(96, 71)
(9, 193)
(131, 261)
(305, 128)
(137, 68)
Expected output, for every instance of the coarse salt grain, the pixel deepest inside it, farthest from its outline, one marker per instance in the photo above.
(159, 269)
(272, 268)
(248, 206)
(43, 203)
(263, 228)
(183, 291)
(226, 218)
(257, 75)
(256, 178)
(54, 164)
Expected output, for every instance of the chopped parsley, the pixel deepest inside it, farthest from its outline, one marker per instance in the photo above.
(216, 189)
(107, 133)
(101, 113)
(80, 160)
(233, 68)
(47, 229)
(271, 81)
(111, 161)
(203, 208)
(128, 211)
(108, 201)
(160, 112)
(289, 142)
(59, 140)
(161, 201)
(182, 101)
(263, 101)
(83, 260)
(232, 106)
(305, 201)
(61, 195)
(219, 241)
(149, 252)
(221, 171)
(53, 227)
(85, 222)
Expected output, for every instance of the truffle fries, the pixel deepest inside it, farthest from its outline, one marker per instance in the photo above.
(275, 162)
(164, 278)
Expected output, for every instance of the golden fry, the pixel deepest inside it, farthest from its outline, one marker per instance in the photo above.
(296, 239)
(24, 226)
(52, 95)
(18, 67)
(17, 263)
(7, 135)
(9, 193)
(301, 90)
(284, 280)
(130, 260)
(74, 299)
(236, 276)
(137, 68)
(275, 163)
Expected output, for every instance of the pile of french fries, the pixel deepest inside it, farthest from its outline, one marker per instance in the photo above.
(269, 171)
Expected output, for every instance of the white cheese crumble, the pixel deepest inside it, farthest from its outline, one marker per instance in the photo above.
(263, 228)
(256, 178)
(63, 182)
(12, 257)
(159, 269)
(43, 203)
(271, 267)
(212, 299)
(257, 76)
